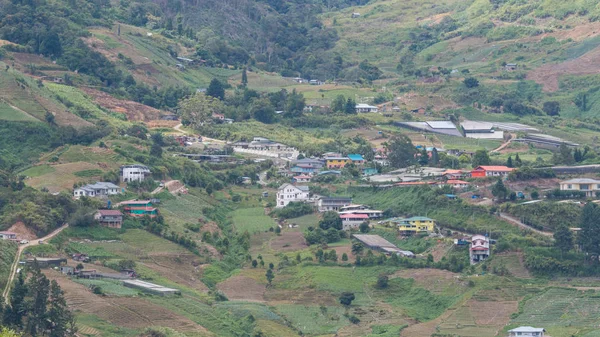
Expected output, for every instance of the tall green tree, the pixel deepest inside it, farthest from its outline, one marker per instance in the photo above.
(401, 152)
(61, 320)
(14, 313)
(331, 219)
(198, 109)
(563, 239)
(38, 289)
(589, 237)
(350, 106)
(509, 162)
(269, 275)
(244, 77)
(435, 157)
(216, 89)
(338, 103)
(518, 162)
(294, 104)
(480, 157)
(499, 190)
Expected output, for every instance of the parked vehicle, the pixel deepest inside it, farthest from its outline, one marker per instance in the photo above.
(24, 242)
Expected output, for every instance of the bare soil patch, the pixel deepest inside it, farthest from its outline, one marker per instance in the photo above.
(288, 241)
(61, 116)
(128, 312)
(182, 269)
(492, 313)
(22, 231)
(162, 124)
(243, 288)
(133, 110)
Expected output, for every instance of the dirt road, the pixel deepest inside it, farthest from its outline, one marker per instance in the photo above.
(522, 225)
(13, 269)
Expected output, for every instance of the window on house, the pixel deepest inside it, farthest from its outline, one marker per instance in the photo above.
(569, 186)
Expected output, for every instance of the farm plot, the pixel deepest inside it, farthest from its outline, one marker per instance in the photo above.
(561, 307)
(252, 220)
(62, 178)
(109, 287)
(314, 320)
(183, 209)
(242, 288)
(181, 269)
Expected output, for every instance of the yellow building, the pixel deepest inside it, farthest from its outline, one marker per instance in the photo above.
(337, 162)
(417, 224)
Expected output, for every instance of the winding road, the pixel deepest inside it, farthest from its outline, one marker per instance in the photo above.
(14, 267)
(522, 225)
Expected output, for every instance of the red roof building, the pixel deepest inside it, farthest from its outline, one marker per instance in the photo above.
(490, 171)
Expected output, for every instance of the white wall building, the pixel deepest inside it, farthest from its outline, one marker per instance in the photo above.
(366, 108)
(129, 173)
(289, 193)
(96, 190)
(526, 331)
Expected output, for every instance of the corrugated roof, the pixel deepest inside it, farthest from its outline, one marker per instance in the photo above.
(527, 329)
(473, 126)
(355, 157)
(494, 168)
(441, 125)
(354, 216)
(581, 181)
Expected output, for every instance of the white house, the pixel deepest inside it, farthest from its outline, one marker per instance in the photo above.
(526, 331)
(8, 236)
(302, 178)
(325, 204)
(455, 183)
(589, 186)
(129, 173)
(96, 190)
(289, 193)
(365, 108)
(480, 250)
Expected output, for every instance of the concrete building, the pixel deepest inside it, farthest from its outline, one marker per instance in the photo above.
(480, 249)
(109, 218)
(491, 171)
(289, 193)
(99, 189)
(366, 108)
(129, 173)
(150, 287)
(526, 331)
(589, 186)
(352, 220)
(325, 204)
(8, 236)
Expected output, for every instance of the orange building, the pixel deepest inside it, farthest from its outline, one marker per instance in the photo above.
(490, 171)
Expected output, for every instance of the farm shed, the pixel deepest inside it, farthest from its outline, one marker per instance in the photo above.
(150, 287)
(376, 242)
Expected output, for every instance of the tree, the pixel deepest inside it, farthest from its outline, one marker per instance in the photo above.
(401, 152)
(13, 314)
(382, 281)
(509, 162)
(423, 157)
(551, 108)
(271, 265)
(518, 161)
(471, 82)
(244, 77)
(216, 89)
(332, 255)
(435, 157)
(364, 227)
(262, 110)
(535, 195)
(350, 106)
(344, 257)
(294, 104)
(563, 239)
(371, 71)
(499, 190)
(357, 248)
(565, 155)
(199, 108)
(60, 319)
(38, 289)
(270, 276)
(49, 117)
(331, 219)
(480, 157)
(581, 101)
(337, 105)
(512, 196)
(346, 298)
(156, 151)
(589, 237)
(254, 263)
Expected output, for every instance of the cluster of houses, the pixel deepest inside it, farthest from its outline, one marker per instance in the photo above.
(303, 170)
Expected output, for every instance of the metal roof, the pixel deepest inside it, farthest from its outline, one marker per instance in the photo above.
(441, 125)
(373, 240)
(355, 157)
(581, 181)
(527, 329)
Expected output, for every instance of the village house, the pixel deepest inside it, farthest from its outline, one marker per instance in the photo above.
(99, 189)
(369, 171)
(289, 193)
(414, 225)
(8, 236)
(140, 208)
(336, 162)
(480, 249)
(490, 171)
(365, 108)
(356, 159)
(352, 220)
(589, 186)
(218, 116)
(526, 331)
(304, 169)
(301, 179)
(454, 174)
(511, 67)
(109, 218)
(325, 204)
(355, 15)
(308, 162)
(130, 173)
(455, 183)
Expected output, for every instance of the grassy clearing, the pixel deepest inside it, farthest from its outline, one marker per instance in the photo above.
(88, 173)
(305, 221)
(109, 287)
(7, 256)
(270, 328)
(42, 250)
(311, 320)
(93, 252)
(385, 330)
(183, 209)
(77, 153)
(252, 220)
(39, 170)
(7, 113)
